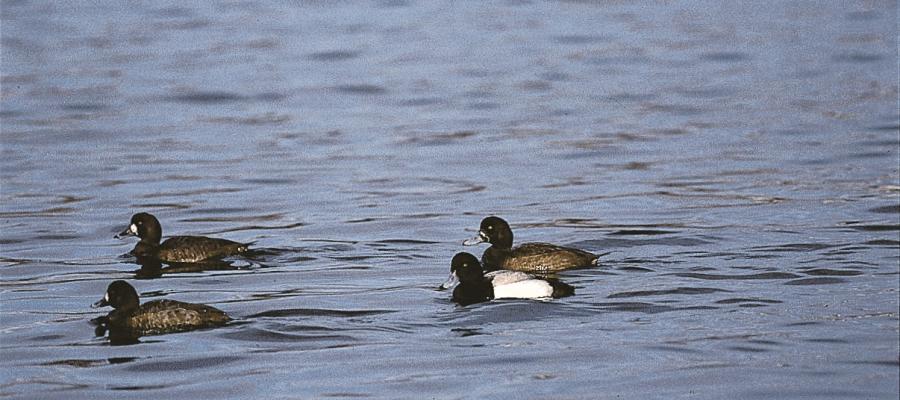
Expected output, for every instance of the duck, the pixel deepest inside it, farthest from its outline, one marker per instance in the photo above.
(474, 286)
(129, 318)
(184, 249)
(527, 257)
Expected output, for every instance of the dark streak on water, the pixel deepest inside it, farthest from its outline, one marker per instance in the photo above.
(738, 161)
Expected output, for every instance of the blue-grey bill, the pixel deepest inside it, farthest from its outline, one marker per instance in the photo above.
(452, 280)
(481, 238)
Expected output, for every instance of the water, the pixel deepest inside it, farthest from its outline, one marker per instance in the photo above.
(739, 161)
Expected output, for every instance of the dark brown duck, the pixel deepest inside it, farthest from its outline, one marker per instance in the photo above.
(176, 248)
(131, 319)
(528, 257)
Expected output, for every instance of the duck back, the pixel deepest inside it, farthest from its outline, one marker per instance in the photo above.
(197, 248)
(545, 257)
(520, 285)
(168, 316)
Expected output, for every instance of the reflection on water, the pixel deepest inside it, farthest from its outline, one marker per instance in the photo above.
(116, 336)
(152, 268)
(738, 162)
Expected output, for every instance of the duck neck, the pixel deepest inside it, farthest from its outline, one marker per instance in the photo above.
(473, 292)
(145, 249)
(502, 240)
(493, 258)
(152, 237)
(130, 306)
(120, 315)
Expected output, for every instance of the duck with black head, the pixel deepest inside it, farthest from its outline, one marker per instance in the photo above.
(184, 249)
(474, 286)
(527, 257)
(130, 319)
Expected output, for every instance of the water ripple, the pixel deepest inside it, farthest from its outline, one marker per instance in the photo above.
(681, 290)
(715, 277)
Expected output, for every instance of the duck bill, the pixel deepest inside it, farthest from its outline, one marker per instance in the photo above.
(452, 280)
(131, 230)
(481, 238)
(101, 303)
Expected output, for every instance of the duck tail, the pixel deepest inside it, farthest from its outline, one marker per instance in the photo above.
(561, 289)
(245, 247)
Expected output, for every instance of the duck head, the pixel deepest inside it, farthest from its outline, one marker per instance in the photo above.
(493, 230)
(144, 226)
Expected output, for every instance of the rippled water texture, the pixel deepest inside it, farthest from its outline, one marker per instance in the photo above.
(738, 159)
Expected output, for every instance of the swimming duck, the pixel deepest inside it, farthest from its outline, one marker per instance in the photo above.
(527, 257)
(129, 318)
(474, 286)
(176, 248)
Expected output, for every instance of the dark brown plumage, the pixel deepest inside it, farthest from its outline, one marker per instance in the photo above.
(177, 248)
(528, 257)
(166, 316)
(131, 319)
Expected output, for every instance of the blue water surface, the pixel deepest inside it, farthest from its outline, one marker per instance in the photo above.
(740, 161)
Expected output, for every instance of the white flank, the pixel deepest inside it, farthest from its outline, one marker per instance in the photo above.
(530, 289)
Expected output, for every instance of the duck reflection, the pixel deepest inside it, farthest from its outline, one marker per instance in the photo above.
(117, 335)
(152, 267)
